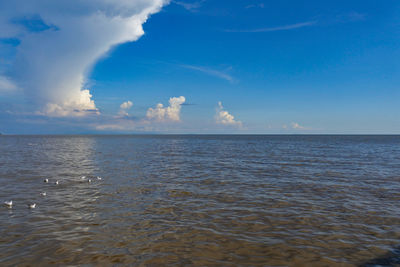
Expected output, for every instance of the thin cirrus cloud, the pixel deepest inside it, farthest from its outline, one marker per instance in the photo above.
(6, 85)
(260, 5)
(212, 72)
(190, 6)
(275, 29)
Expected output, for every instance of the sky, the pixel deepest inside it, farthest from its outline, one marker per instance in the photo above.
(200, 66)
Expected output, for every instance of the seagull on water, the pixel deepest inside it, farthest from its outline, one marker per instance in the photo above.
(98, 178)
(8, 203)
(43, 194)
(90, 180)
(83, 177)
(57, 182)
(32, 206)
(46, 180)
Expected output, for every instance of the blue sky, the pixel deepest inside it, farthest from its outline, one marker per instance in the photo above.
(275, 66)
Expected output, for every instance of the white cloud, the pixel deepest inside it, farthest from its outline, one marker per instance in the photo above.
(190, 6)
(52, 64)
(124, 107)
(260, 5)
(156, 119)
(165, 114)
(297, 126)
(216, 73)
(81, 105)
(125, 125)
(225, 118)
(278, 28)
(6, 85)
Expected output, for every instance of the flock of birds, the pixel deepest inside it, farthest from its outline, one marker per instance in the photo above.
(9, 204)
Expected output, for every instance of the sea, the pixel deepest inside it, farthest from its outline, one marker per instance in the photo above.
(200, 200)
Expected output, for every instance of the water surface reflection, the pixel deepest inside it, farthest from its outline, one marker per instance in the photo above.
(200, 200)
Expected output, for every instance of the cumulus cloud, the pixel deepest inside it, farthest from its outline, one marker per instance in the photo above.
(225, 118)
(165, 114)
(156, 118)
(124, 108)
(52, 63)
(297, 126)
(126, 105)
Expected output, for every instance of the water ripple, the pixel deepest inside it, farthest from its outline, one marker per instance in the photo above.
(200, 200)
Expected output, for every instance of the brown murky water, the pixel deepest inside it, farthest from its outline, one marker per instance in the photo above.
(201, 200)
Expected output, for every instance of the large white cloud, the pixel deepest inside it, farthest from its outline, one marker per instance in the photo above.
(225, 118)
(165, 114)
(52, 64)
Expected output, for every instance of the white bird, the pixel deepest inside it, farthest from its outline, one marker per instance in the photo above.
(98, 178)
(90, 180)
(56, 182)
(8, 203)
(32, 206)
(43, 194)
(46, 180)
(83, 177)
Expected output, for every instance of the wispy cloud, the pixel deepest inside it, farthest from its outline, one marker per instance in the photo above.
(190, 6)
(260, 5)
(6, 85)
(212, 72)
(348, 17)
(278, 28)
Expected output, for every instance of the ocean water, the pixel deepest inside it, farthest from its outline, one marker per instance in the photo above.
(200, 200)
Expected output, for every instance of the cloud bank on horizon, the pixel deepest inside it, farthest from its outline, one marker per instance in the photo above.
(60, 42)
(159, 115)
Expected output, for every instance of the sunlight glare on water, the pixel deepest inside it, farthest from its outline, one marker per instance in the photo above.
(200, 200)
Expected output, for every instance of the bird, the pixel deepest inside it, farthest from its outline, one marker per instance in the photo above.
(32, 206)
(98, 178)
(8, 203)
(90, 180)
(83, 177)
(56, 182)
(43, 194)
(46, 180)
